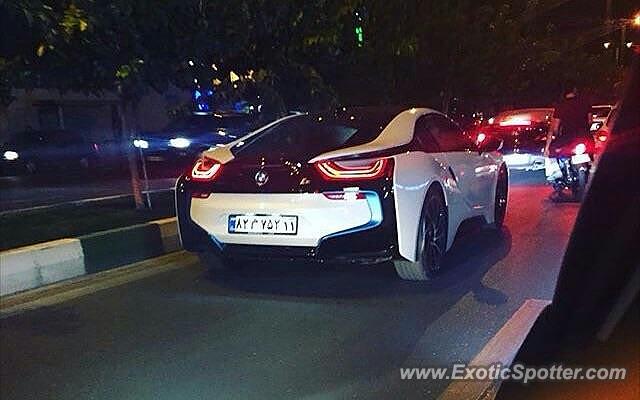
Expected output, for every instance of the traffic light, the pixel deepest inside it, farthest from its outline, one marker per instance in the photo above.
(359, 36)
(359, 31)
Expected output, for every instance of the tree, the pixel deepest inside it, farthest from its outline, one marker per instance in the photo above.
(122, 47)
(305, 54)
(489, 53)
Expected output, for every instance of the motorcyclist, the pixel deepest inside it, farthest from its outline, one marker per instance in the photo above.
(571, 120)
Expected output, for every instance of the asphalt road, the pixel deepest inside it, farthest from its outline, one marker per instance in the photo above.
(288, 331)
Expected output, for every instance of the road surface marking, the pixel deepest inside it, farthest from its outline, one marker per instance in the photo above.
(501, 348)
(88, 284)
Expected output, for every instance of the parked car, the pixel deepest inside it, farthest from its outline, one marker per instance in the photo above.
(362, 185)
(43, 151)
(183, 139)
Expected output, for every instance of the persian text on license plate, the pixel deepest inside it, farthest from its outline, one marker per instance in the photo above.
(263, 224)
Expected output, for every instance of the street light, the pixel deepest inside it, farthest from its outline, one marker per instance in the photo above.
(636, 20)
(629, 44)
(606, 45)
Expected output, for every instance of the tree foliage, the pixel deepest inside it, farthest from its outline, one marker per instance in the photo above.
(428, 51)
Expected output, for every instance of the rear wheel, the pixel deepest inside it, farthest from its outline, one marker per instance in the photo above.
(500, 201)
(580, 184)
(431, 240)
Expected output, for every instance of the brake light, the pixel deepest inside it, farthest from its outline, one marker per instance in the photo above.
(205, 169)
(353, 169)
(580, 148)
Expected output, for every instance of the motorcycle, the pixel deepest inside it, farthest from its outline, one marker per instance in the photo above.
(574, 162)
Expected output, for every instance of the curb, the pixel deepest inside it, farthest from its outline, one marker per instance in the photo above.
(41, 264)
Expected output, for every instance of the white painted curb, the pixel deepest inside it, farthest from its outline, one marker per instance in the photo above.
(40, 264)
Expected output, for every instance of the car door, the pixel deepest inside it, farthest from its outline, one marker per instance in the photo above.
(474, 172)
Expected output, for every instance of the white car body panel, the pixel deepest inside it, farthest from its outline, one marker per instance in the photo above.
(469, 194)
(414, 173)
(317, 215)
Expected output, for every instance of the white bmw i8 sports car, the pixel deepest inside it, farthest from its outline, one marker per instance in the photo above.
(360, 185)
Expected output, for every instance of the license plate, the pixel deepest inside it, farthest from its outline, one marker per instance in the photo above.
(263, 224)
(155, 158)
(580, 159)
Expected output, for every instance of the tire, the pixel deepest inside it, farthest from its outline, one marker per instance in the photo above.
(501, 197)
(431, 240)
(580, 185)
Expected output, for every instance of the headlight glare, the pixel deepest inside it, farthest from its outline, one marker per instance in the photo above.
(180, 143)
(10, 155)
(141, 143)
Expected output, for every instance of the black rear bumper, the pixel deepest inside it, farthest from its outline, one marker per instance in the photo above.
(368, 246)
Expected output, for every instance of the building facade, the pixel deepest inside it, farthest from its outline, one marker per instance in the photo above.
(95, 117)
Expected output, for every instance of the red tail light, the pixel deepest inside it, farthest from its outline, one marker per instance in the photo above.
(481, 137)
(353, 169)
(205, 169)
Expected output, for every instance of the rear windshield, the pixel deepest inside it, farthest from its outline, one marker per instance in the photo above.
(600, 111)
(309, 135)
(527, 116)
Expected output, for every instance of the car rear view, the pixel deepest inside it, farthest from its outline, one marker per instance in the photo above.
(524, 134)
(259, 197)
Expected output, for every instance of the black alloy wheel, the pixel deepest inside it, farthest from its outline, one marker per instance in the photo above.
(502, 191)
(433, 227)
